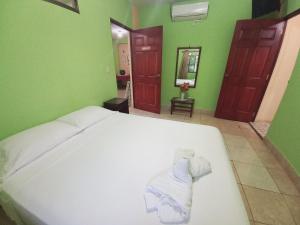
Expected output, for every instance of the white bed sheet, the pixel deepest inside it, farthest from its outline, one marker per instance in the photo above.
(98, 177)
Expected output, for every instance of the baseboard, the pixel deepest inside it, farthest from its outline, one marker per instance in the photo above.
(284, 163)
(196, 110)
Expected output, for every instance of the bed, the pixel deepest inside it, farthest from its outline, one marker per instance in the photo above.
(97, 176)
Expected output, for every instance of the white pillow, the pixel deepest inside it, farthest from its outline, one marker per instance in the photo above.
(86, 117)
(24, 147)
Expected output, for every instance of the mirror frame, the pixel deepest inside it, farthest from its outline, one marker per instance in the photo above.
(176, 70)
(74, 9)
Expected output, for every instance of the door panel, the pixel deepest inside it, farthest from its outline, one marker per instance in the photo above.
(251, 60)
(146, 47)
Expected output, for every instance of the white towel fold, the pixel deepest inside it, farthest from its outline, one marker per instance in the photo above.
(170, 193)
(199, 166)
(182, 153)
(170, 197)
(181, 170)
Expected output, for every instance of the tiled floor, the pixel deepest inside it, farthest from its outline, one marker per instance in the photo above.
(269, 195)
(261, 127)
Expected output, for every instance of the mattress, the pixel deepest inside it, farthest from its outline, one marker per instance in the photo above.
(98, 176)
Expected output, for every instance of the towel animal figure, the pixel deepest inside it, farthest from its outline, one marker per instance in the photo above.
(170, 193)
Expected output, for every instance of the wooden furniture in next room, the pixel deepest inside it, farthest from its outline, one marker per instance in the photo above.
(125, 77)
(117, 104)
(186, 105)
(122, 80)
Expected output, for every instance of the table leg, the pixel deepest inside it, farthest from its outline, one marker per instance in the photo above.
(192, 109)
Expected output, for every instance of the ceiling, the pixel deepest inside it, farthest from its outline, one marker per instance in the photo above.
(118, 32)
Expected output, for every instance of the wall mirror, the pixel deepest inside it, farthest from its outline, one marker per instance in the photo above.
(187, 65)
(68, 4)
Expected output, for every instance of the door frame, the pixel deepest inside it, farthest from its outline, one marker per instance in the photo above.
(113, 21)
(292, 14)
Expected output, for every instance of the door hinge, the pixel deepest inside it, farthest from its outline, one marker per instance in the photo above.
(267, 77)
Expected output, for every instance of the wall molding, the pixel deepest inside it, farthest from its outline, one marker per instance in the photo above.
(292, 173)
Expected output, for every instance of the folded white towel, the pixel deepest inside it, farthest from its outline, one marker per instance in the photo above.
(170, 193)
(170, 196)
(199, 166)
(181, 170)
(182, 153)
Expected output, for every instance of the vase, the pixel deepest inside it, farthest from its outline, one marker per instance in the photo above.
(183, 95)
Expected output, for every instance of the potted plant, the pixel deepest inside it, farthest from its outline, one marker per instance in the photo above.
(183, 90)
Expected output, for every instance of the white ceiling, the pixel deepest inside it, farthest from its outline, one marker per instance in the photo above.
(118, 32)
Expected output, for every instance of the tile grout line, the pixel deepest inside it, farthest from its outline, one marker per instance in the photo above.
(272, 192)
(278, 185)
(247, 203)
(292, 214)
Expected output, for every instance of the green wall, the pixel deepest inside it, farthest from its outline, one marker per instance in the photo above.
(53, 60)
(214, 35)
(293, 5)
(285, 129)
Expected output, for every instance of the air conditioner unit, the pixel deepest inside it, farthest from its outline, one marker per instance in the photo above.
(189, 11)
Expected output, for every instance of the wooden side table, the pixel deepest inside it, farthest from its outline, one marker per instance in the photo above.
(117, 104)
(186, 105)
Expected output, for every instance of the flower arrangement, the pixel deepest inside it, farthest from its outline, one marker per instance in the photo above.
(184, 87)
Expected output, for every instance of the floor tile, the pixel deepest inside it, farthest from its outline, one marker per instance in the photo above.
(284, 183)
(236, 141)
(248, 132)
(255, 176)
(261, 127)
(240, 150)
(246, 203)
(257, 144)
(294, 206)
(235, 174)
(268, 159)
(229, 127)
(268, 207)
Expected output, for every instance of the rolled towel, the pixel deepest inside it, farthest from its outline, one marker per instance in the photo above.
(199, 167)
(181, 170)
(170, 214)
(182, 153)
(169, 196)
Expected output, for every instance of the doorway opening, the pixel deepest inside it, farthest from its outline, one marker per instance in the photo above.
(122, 60)
(280, 78)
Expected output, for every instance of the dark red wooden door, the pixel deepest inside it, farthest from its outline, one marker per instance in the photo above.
(254, 51)
(146, 50)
